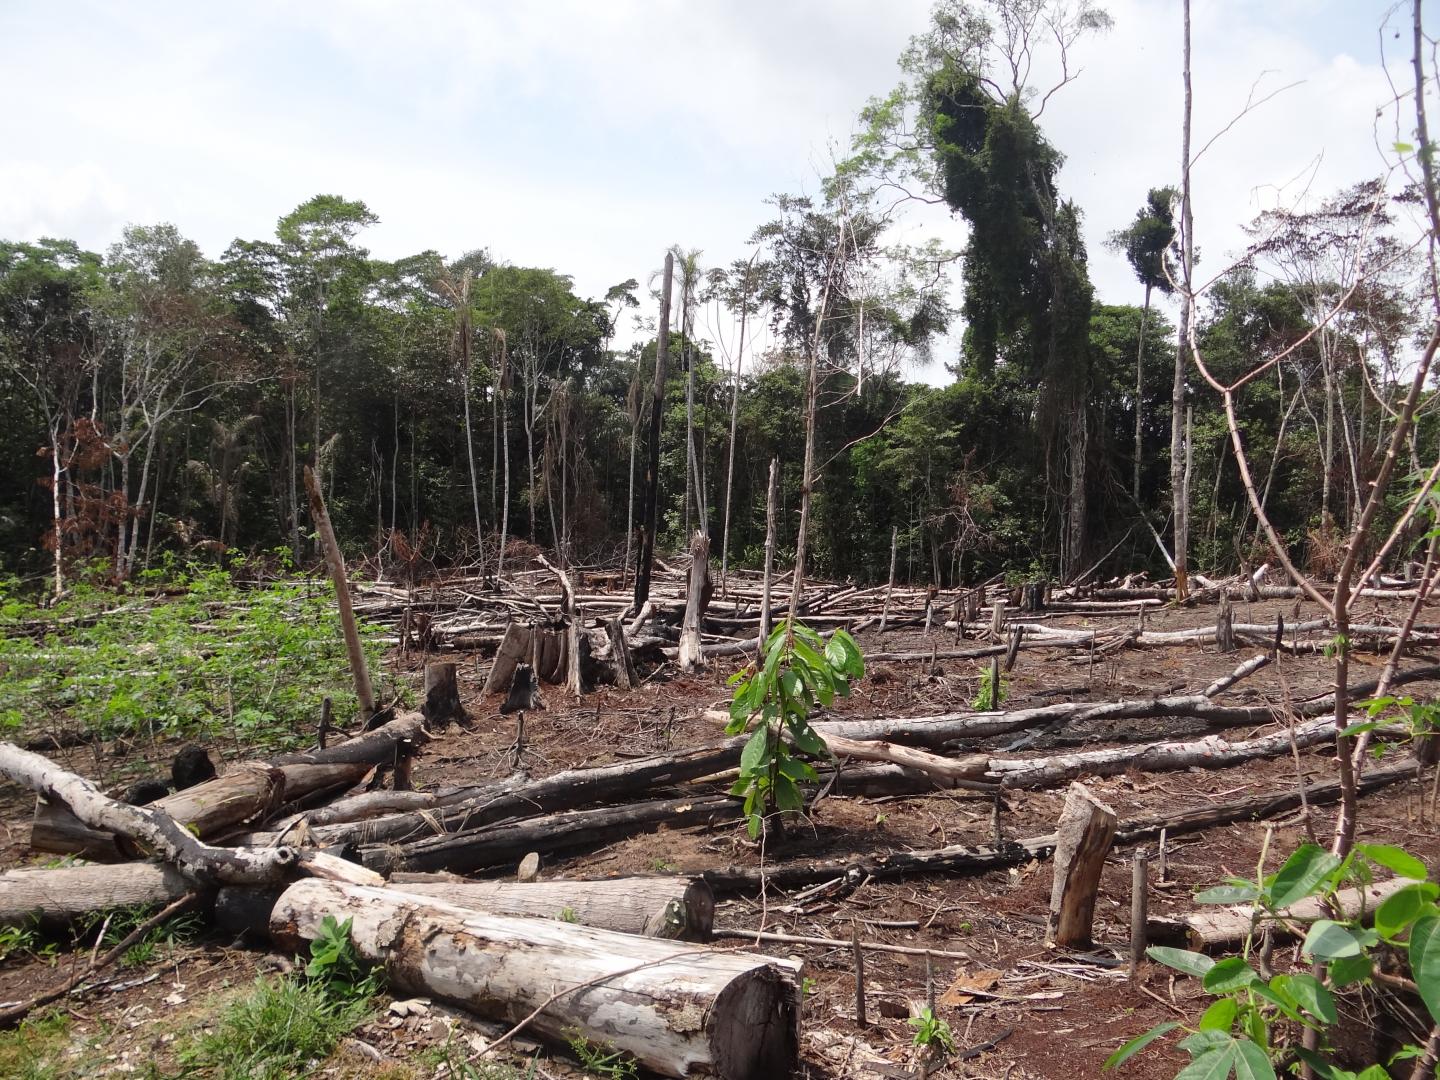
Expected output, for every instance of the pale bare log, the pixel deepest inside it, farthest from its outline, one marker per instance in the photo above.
(681, 1010)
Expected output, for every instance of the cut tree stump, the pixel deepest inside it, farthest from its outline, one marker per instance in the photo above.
(678, 908)
(515, 647)
(524, 695)
(624, 664)
(680, 1010)
(442, 695)
(697, 599)
(1083, 839)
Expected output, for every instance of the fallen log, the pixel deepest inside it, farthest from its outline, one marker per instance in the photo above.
(961, 858)
(1215, 927)
(143, 825)
(405, 734)
(67, 893)
(249, 791)
(1211, 752)
(678, 908)
(517, 797)
(680, 1011)
(463, 853)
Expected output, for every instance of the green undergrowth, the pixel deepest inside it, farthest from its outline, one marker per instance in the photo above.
(187, 652)
(279, 1028)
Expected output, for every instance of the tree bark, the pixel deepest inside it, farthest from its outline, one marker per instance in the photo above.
(144, 825)
(1178, 479)
(514, 648)
(772, 496)
(681, 1011)
(442, 695)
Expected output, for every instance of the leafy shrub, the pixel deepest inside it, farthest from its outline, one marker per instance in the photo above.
(799, 673)
(1243, 1031)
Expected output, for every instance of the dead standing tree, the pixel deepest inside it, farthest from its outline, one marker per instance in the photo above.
(650, 508)
(1353, 575)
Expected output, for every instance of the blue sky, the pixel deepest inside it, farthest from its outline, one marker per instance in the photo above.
(589, 136)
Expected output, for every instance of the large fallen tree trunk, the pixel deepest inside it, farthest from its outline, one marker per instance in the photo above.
(948, 728)
(66, 893)
(682, 909)
(679, 1010)
(1211, 752)
(462, 853)
(404, 735)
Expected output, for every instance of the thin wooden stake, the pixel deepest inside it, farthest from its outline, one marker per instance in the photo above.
(1139, 910)
(1162, 860)
(859, 975)
(336, 562)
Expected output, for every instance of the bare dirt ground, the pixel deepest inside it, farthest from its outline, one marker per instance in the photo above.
(1020, 1011)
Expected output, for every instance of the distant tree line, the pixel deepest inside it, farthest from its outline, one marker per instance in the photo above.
(163, 401)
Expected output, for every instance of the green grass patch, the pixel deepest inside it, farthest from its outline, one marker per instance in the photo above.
(39, 1049)
(280, 1028)
(205, 656)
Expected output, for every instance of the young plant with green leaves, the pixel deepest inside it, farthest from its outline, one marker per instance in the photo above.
(1252, 1029)
(798, 672)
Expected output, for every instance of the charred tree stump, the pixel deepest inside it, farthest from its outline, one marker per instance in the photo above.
(680, 1010)
(1083, 838)
(442, 695)
(524, 693)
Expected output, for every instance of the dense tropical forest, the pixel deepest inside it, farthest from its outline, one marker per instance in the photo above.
(163, 400)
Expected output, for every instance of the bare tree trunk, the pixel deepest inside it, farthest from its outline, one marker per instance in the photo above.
(140, 495)
(1178, 479)
(470, 453)
(1140, 394)
(650, 516)
(57, 521)
(505, 494)
(632, 407)
(734, 424)
(812, 393)
(771, 498)
(531, 395)
(290, 410)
